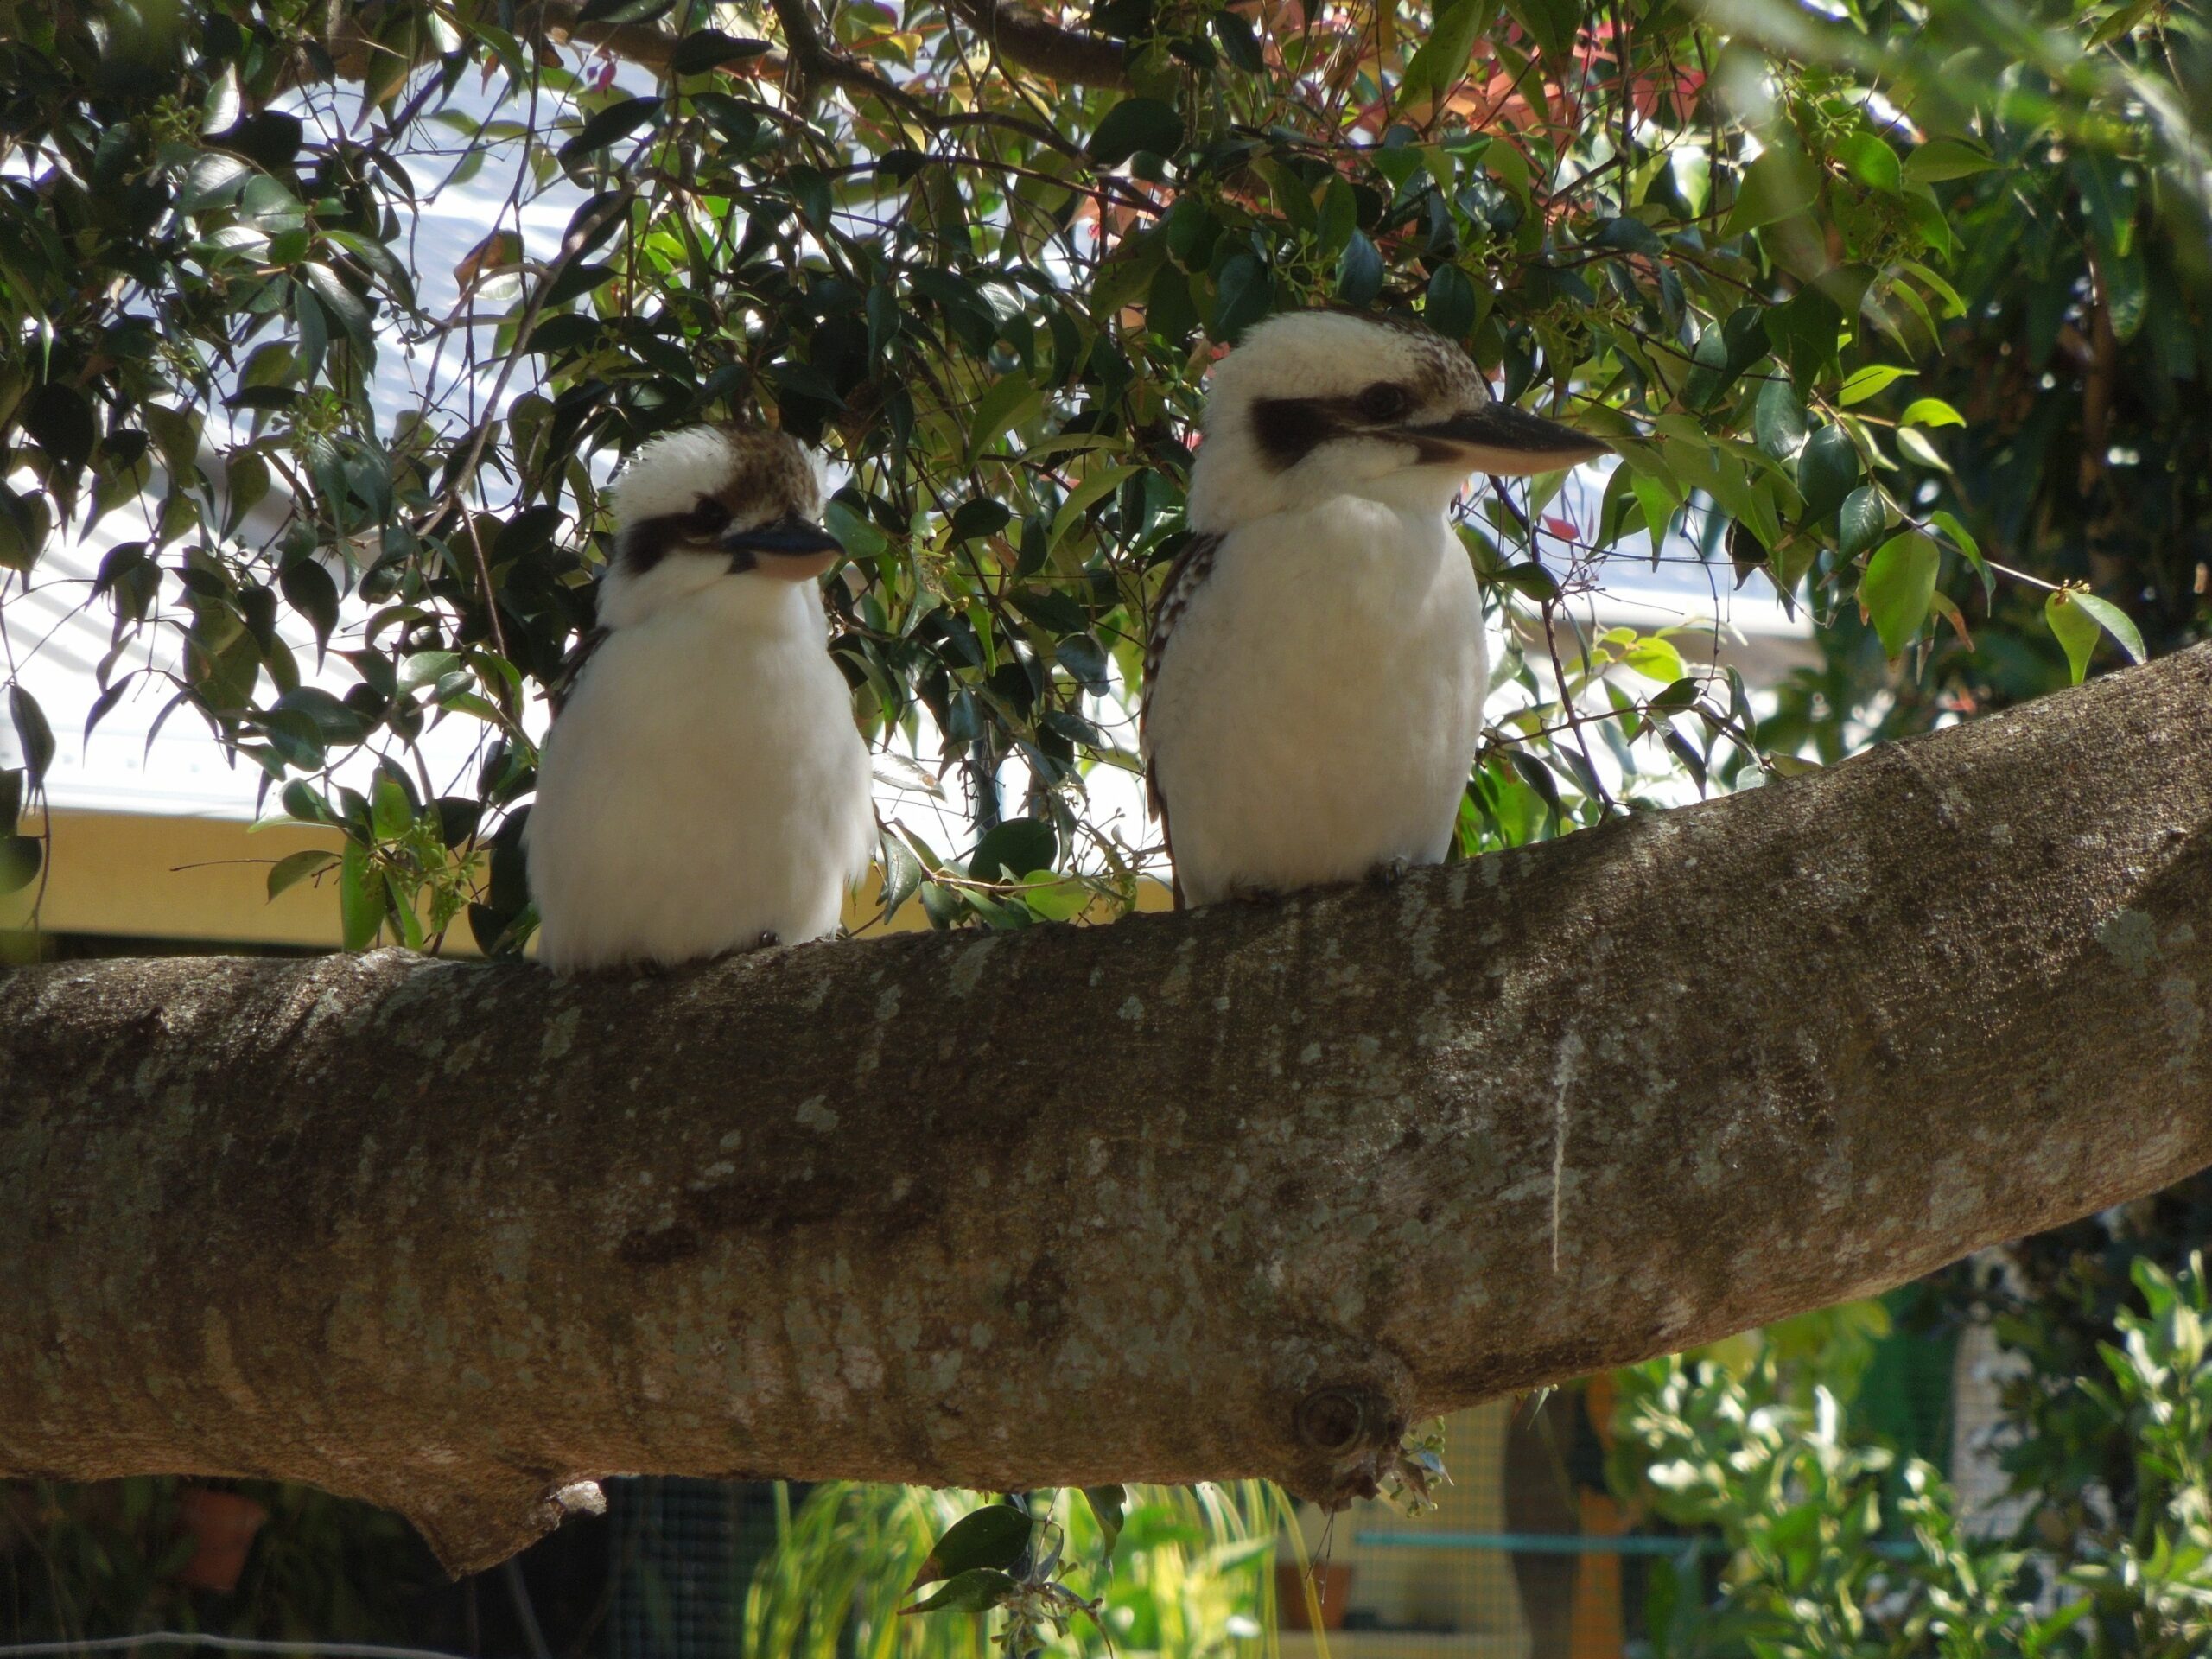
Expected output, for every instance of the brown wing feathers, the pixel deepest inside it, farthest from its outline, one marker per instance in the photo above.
(1184, 576)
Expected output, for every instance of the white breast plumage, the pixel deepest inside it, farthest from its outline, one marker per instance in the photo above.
(703, 787)
(1315, 702)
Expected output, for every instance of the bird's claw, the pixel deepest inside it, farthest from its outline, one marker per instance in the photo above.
(769, 940)
(1388, 874)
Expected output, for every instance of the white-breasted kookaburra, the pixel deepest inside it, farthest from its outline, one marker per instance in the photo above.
(703, 788)
(1315, 674)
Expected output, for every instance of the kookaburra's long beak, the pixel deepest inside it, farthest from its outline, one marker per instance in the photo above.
(790, 548)
(1501, 438)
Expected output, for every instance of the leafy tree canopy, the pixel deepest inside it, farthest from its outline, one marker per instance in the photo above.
(1902, 304)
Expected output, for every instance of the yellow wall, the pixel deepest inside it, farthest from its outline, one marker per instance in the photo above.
(177, 878)
(207, 879)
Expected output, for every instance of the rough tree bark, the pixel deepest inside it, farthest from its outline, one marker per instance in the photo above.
(1234, 1192)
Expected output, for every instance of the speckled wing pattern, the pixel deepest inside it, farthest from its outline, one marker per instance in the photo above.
(1186, 575)
(572, 667)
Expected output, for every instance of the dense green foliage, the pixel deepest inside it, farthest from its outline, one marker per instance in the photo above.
(1836, 1545)
(1905, 304)
(1179, 1571)
(1877, 302)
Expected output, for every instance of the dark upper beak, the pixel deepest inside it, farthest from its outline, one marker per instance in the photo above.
(788, 538)
(1500, 438)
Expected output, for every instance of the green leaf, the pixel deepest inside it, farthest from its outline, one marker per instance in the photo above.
(977, 1590)
(1656, 659)
(2123, 20)
(1554, 23)
(341, 303)
(1962, 538)
(1827, 470)
(2075, 628)
(19, 858)
(2115, 622)
(1014, 849)
(61, 419)
(33, 737)
(1913, 443)
(1870, 381)
(1241, 298)
(1896, 591)
(1947, 158)
(1007, 403)
(390, 814)
(1931, 411)
(1101, 483)
(1803, 331)
(1778, 419)
(625, 12)
(2128, 293)
(1133, 124)
(360, 899)
(979, 516)
(1708, 363)
(1451, 307)
(992, 1537)
(902, 874)
(1440, 62)
(295, 867)
(1781, 182)
(1869, 159)
(709, 48)
(303, 804)
(1336, 217)
(1107, 1506)
(615, 121)
(1359, 271)
(1240, 41)
(1658, 506)
(213, 179)
(1861, 521)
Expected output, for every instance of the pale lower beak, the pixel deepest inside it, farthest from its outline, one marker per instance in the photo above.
(1500, 438)
(790, 549)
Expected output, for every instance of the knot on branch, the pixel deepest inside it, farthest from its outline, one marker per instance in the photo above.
(1354, 1433)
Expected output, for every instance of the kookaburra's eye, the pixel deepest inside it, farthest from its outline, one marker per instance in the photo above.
(710, 517)
(1384, 401)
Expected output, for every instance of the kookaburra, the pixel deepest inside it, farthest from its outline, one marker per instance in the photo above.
(1315, 680)
(703, 788)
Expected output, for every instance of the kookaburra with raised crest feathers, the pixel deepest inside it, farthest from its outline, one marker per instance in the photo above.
(1315, 680)
(703, 788)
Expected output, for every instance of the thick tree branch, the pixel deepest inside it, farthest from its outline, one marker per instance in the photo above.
(1043, 48)
(1021, 37)
(1232, 1192)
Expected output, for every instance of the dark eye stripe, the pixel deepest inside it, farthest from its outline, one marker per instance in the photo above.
(1291, 429)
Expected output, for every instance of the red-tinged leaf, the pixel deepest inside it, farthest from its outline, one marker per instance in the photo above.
(1562, 528)
(1945, 608)
(501, 251)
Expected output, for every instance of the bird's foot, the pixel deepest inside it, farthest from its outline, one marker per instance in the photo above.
(650, 968)
(1254, 895)
(1388, 874)
(769, 939)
